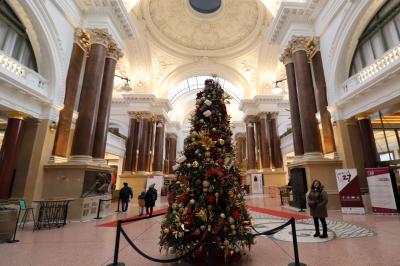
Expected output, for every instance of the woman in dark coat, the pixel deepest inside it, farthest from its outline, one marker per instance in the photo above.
(317, 200)
(150, 199)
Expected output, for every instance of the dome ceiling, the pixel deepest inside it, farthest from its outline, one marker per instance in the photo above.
(176, 24)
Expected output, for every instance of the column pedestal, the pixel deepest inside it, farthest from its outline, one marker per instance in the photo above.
(323, 170)
(77, 181)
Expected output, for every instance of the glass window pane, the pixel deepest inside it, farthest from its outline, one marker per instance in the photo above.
(390, 33)
(367, 53)
(377, 45)
(3, 32)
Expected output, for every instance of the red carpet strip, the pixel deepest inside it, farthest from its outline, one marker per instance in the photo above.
(114, 223)
(280, 214)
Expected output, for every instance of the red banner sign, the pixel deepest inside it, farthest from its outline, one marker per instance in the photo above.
(381, 190)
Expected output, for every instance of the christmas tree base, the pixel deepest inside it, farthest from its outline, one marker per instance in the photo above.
(218, 257)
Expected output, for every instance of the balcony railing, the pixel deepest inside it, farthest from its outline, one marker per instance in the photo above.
(30, 79)
(382, 65)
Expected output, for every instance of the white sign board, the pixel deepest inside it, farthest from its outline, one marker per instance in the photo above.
(381, 190)
(158, 181)
(257, 184)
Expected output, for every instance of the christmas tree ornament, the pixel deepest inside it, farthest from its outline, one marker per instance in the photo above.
(188, 165)
(221, 141)
(195, 164)
(181, 159)
(176, 167)
(208, 102)
(206, 183)
(192, 201)
(222, 215)
(214, 129)
(207, 113)
(207, 154)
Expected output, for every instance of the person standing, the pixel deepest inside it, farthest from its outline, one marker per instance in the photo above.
(150, 199)
(125, 195)
(317, 201)
(141, 202)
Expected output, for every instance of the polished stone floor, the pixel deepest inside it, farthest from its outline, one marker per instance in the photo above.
(353, 240)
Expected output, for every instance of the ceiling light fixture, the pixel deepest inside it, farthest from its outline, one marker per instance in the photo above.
(277, 90)
(126, 87)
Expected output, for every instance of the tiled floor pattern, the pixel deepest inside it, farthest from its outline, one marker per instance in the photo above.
(85, 244)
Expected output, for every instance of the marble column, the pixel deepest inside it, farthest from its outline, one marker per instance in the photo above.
(172, 151)
(328, 140)
(82, 145)
(158, 147)
(143, 155)
(305, 93)
(103, 115)
(150, 145)
(287, 60)
(264, 142)
(135, 144)
(251, 152)
(368, 141)
(258, 144)
(129, 145)
(166, 160)
(8, 152)
(275, 141)
(239, 137)
(78, 54)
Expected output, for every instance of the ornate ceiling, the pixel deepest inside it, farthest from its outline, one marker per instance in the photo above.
(174, 21)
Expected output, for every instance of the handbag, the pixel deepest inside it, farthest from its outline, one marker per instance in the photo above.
(312, 203)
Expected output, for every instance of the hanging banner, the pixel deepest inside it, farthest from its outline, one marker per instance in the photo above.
(257, 184)
(349, 191)
(381, 190)
(158, 181)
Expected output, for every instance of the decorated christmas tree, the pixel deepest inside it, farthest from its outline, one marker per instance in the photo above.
(206, 204)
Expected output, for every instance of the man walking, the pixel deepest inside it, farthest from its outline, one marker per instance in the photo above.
(124, 195)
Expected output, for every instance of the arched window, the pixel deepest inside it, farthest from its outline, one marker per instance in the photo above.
(196, 83)
(13, 38)
(381, 34)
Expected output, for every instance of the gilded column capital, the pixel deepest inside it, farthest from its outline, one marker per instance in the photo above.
(262, 115)
(240, 135)
(299, 43)
(313, 47)
(171, 136)
(250, 119)
(14, 114)
(82, 38)
(140, 115)
(99, 36)
(159, 119)
(273, 115)
(286, 56)
(113, 51)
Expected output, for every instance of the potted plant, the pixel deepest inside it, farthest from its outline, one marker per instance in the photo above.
(8, 221)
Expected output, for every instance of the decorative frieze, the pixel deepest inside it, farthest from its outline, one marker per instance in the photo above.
(299, 43)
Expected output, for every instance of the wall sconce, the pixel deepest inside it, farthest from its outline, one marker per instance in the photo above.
(126, 87)
(53, 126)
(277, 90)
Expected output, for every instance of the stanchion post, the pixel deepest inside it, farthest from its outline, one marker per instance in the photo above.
(118, 205)
(295, 248)
(116, 250)
(15, 230)
(98, 210)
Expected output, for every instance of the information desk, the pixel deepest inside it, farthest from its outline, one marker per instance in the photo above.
(52, 212)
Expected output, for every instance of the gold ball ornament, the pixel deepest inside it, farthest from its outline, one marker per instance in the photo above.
(188, 165)
(207, 154)
(221, 141)
(206, 183)
(195, 164)
(181, 234)
(166, 230)
(174, 206)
